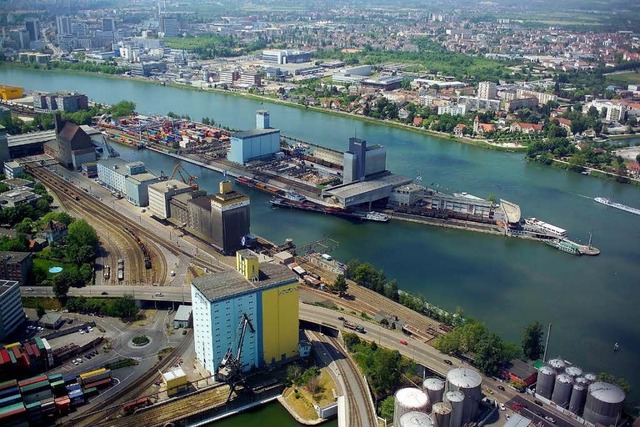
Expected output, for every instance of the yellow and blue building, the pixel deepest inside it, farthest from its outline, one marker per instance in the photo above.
(267, 293)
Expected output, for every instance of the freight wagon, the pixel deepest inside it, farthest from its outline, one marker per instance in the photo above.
(94, 376)
(131, 407)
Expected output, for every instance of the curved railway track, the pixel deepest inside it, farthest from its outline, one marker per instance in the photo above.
(104, 415)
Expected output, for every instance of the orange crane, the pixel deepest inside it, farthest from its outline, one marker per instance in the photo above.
(190, 180)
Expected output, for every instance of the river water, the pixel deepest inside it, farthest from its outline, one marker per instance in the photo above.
(506, 283)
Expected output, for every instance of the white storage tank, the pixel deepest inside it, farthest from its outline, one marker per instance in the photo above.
(591, 377)
(578, 396)
(469, 382)
(456, 400)
(407, 400)
(604, 403)
(441, 414)
(562, 390)
(582, 381)
(557, 364)
(573, 371)
(434, 387)
(545, 382)
(415, 419)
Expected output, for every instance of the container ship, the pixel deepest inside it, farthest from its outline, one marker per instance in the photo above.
(609, 202)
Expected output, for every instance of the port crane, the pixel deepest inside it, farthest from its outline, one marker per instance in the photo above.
(112, 153)
(185, 176)
(230, 368)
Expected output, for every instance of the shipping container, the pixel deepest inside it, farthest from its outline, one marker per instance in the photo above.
(72, 387)
(90, 373)
(12, 345)
(32, 380)
(69, 379)
(39, 343)
(9, 392)
(102, 383)
(8, 384)
(94, 377)
(5, 401)
(91, 391)
(33, 407)
(5, 355)
(12, 357)
(35, 387)
(12, 410)
(55, 378)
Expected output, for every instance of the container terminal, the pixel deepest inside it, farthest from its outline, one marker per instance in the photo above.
(353, 184)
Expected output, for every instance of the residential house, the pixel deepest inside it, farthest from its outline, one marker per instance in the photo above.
(15, 266)
(565, 124)
(528, 128)
(54, 231)
(459, 129)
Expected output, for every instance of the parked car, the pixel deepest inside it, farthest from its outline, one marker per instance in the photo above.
(448, 362)
(502, 407)
(105, 293)
(404, 342)
(341, 318)
(501, 388)
(537, 402)
(550, 419)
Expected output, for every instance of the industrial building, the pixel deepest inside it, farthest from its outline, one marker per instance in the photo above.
(281, 57)
(182, 319)
(265, 294)
(221, 219)
(16, 266)
(260, 143)
(175, 381)
(469, 383)
(18, 197)
(128, 179)
(11, 312)
(69, 102)
(11, 92)
(72, 146)
(361, 161)
(160, 193)
(31, 144)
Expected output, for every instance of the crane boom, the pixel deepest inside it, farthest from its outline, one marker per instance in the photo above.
(230, 366)
(190, 180)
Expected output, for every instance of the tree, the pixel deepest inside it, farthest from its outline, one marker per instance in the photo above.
(490, 354)
(386, 408)
(82, 234)
(532, 346)
(123, 108)
(61, 284)
(125, 306)
(340, 285)
(40, 310)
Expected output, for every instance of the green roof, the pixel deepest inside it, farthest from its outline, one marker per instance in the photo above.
(538, 364)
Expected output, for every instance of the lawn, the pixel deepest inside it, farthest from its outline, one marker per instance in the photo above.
(624, 79)
(303, 405)
(46, 264)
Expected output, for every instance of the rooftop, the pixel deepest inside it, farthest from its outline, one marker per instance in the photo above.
(5, 285)
(183, 313)
(355, 188)
(227, 284)
(143, 177)
(163, 186)
(254, 132)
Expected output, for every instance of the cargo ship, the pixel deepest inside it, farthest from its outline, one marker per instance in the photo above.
(307, 205)
(609, 202)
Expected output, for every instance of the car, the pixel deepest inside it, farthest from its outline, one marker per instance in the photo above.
(501, 388)
(404, 342)
(104, 293)
(502, 407)
(30, 289)
(448, 362)
(537, 402)
(159, 294)
(82, 331)
(550, 419)
(341, 318)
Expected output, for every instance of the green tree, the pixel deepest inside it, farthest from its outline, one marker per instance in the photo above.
(25, 227)
(490, 354)
(82, 234)
(386, 408)
(125, 306)
(532, 346)
(123, 108)
(61, 284)
(40, 310)
(340, 285)
(351, 341)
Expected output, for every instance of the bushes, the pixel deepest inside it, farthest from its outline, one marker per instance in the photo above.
(140, 340)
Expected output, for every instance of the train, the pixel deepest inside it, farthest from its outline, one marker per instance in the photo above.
(143, 248)
(130, 407)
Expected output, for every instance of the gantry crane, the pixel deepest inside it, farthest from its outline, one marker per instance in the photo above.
(230, 368)
(185, 176)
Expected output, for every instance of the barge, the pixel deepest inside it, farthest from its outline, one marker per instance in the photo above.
(609, 202)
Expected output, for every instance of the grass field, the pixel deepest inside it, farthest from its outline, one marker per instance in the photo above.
(624, 79)
(46, 264)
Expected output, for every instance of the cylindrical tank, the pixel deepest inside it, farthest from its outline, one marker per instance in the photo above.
(468, 382)
(591, 377)
(456, 399)
(604, 403)
(546, 379)
(582, 381)
(434, 387)
(573, 371)
(578, 396)
(407, 400)
(441, 414)
(415, 419)
(557, 364)
(562, 390)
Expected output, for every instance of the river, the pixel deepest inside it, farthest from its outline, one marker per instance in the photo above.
(506, 283)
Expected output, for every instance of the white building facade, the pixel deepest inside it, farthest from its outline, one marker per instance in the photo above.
(11, 311)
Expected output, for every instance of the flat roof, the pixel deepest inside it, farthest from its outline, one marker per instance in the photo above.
(352, 189)
(5, 285)
(228, 284)
(163, 186)
(254, 132)
(142, 177)
(183, 313)
(31, 138)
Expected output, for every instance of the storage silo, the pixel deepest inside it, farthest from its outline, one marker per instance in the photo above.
(578, 396)
(407, 400)
(591, 377)
(546, 380)
(573, 371)
(562, 390)
(434, 387)
(415, 419)
(468, 382)
(604, 403)
(456, 400)
(582, 381)
(557, 364)
(441, 414)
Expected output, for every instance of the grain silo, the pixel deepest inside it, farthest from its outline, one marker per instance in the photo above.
(407, 400)
(456, 400)
(591, 377)
(434, 387)
(562, 390)
(415, 419)
(604, 403)
(557, 364)
(573, 371)
(468, 382)
(546, 380)
(578, 396)
(441, 414)
(582, 381)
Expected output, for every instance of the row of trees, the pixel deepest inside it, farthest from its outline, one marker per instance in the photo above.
(123, 307)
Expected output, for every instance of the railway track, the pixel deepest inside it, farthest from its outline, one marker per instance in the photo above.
(105, 415)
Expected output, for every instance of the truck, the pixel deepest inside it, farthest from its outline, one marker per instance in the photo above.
(353, 326)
